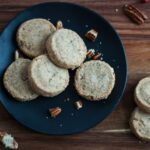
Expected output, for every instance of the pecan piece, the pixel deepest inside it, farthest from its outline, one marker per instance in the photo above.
(135, 14)
(55, 111)
(91, 35)
(97, 56)
(90, 53)
(59, 25)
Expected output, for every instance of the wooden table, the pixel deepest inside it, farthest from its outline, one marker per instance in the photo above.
(114, 132)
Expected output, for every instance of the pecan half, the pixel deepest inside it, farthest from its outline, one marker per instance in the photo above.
(135, 14)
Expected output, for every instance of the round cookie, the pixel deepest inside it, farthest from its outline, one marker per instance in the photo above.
(140, 124)
(94, 80)
(32, 35)
(46, 78)
(66, 49)
(142, 94)
(16, 80)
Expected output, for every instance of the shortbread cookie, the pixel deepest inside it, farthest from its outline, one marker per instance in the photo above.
(140, 124)
(142, 94)
(16, 80)
(66, 49)
(32, 35)
(46, 78)
(94, 80)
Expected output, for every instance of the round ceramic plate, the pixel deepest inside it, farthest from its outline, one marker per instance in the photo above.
(34, 114)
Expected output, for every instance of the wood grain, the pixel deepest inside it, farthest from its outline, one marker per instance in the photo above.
(136, 40)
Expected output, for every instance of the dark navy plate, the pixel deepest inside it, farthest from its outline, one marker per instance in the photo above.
(34, 114)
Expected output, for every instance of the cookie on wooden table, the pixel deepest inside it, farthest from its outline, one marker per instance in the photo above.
(46, 78)
(140, 124)
(142, 94)
(16, 80)
(32, 35)
(94, 80)
(66, 49)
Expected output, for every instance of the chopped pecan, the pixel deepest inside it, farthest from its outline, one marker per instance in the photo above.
(135, 14)
(59, 25)
(55, 111)
(90, 53)
(91, 35)
(97, 56)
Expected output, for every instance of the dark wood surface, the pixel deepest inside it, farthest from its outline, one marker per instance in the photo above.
(113, 133)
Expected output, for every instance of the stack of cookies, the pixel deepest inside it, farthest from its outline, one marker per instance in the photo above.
(140, 118)
(50, 52)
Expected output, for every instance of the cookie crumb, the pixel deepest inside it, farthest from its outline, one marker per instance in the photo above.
(100, 42)
(68, 99)
(116, 10)
(46, 117)
(72, 114)
(8, 141)
(86, 25)
(78, 104)
(16, 54)
(61, 125)
(101, 58)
